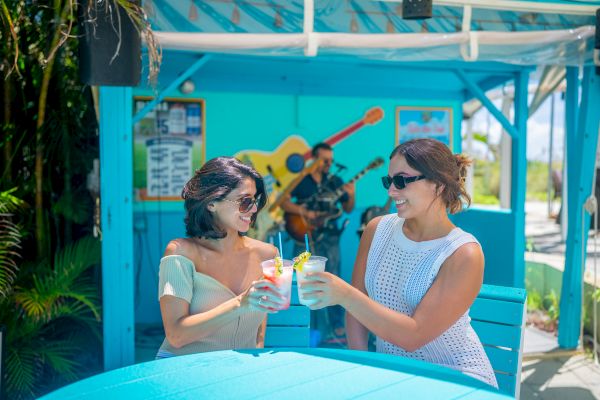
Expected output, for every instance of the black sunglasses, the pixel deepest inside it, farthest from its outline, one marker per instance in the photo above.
(400, 181)
(246, 203)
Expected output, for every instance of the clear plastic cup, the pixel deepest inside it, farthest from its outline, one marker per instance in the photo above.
(283, 281)
(313, 264)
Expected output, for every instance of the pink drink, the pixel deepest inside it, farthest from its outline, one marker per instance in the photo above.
(283, 281)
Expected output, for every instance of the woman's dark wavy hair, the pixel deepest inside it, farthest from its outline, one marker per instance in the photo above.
(435, 160)
(211, 183)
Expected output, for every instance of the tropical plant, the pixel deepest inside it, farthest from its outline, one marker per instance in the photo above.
(10, 239)
(36, 40)
(534, 300)
(52, 314)
(553, 305)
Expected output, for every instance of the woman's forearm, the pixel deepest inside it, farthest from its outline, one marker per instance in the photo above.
(195, 327)
(396, 328)
(260, 337)
(357, 334)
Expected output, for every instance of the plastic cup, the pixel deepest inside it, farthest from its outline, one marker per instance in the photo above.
(283, 281)
(313, 264)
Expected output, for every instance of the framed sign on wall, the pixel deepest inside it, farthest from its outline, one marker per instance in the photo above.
(424, 122)
(169, 145)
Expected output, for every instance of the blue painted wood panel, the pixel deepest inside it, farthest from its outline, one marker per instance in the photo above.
(116, 182)
(494, 229)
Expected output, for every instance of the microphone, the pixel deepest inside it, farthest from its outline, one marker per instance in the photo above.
(341, 167)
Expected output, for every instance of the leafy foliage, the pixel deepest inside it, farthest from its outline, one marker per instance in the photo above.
(50, 318)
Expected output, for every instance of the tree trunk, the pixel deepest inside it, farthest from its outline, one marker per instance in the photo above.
(41, 240)
(8, 147)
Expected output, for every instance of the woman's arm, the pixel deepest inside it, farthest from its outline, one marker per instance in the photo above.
(356, 332)
(260, 337)
(450, 296)
(181, 328)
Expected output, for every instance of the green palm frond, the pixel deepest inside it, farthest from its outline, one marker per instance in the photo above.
(49, 318)
(65, 290)
(10, 239)
(21, 372)
(76, 258)
(59, 355)
(10, 203)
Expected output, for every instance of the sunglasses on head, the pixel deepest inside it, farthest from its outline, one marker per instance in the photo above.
(399, 181)
(246, 203)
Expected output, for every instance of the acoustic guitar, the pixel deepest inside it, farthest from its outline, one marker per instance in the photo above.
(282, 165)
(297, 226)
(372, 212)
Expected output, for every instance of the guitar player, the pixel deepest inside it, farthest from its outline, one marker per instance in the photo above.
(314, 199)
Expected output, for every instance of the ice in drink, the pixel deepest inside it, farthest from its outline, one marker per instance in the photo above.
(280, 272)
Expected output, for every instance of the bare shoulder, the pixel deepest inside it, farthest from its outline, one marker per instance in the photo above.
(265, 250)
(372, 226)
(467, 259)
(179, 247)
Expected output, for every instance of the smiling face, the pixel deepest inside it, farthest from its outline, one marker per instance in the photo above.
(227, 212)
(417, 197)
(326, 156)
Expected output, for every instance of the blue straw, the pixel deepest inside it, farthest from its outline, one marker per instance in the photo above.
(306, 242)
(280, 247)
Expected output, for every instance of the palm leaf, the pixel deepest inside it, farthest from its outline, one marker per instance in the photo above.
(21, 372)
(53, 290)
(10, 203)
(59, 355)
(76, 258)
(10, 239)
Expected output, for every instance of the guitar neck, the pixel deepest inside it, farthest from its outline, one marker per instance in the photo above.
(338, 137)
(340, 192)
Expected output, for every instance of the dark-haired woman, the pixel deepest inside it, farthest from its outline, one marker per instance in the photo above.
(212, 295)
(416, 274)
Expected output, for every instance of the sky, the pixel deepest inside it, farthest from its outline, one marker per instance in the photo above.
(538, 130)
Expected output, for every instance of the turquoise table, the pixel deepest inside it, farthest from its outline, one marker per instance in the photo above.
(305, 374)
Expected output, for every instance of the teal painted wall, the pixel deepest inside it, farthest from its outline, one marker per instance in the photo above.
(238, 121)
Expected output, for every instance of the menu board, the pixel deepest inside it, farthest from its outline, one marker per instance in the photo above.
(169, 146)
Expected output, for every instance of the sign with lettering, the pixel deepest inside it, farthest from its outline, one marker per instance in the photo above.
(168, 147)
(424, 122)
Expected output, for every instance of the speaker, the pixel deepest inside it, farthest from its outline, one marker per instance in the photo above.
(417, 9)
(109, 54)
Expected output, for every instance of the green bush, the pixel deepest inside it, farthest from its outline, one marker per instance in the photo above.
(486, 181)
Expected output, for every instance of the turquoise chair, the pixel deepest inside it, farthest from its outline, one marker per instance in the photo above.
(498, 317)
(291, 327)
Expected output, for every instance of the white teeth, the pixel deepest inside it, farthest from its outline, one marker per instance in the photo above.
(400, 202)
(246, 219)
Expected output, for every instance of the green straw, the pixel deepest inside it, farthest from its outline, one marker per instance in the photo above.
(306, 242)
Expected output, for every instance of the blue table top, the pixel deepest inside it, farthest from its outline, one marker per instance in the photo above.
(280, 374)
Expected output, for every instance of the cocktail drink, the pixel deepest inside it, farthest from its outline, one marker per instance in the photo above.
(280, 273)
(313, 264)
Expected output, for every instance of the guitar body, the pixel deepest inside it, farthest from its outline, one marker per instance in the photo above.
(325, 204)
(281, 166)
(372, 212)
(296, 226)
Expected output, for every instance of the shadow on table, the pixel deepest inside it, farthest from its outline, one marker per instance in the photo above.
(402, 364)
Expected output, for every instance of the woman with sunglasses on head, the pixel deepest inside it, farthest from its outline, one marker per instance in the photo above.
(212, 295)
(416, 274)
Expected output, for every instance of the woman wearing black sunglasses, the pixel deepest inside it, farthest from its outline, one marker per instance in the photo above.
(416, 274)
(212, 295)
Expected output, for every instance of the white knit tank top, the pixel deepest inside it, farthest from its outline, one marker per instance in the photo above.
(399, 273)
